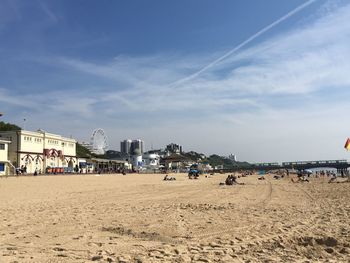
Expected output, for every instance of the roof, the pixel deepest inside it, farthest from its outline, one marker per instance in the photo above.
(39, 133)
(100, 160)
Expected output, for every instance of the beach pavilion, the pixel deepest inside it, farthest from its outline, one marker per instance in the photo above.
(107, 165)
(39, 150)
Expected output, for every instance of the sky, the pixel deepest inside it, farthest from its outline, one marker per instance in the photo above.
(265, 80)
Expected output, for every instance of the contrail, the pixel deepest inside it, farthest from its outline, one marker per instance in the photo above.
(247, 41)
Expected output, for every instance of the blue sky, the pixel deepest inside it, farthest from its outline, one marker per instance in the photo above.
(182, 71)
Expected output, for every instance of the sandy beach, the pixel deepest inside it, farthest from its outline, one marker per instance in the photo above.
(141, 218)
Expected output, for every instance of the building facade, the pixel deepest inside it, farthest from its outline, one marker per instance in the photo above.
(137, 145)
(173, 148)
(37, 151)
(125, 146)
(131, 146)
(4, 162)
(151, 160)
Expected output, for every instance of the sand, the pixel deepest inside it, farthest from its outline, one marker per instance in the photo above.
(141, 218)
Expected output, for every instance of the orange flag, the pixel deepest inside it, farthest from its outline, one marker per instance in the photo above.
(347, 144)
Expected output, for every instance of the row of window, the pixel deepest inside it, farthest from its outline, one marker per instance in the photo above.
(52, 141)
(56, 142)
(27, 138)
(30, 139)
(67, 144)
(62, 143)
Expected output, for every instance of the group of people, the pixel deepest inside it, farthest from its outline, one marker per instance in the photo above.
(21, 170)
(331, 173)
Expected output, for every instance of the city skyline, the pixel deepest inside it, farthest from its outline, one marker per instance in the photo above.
(267, 81)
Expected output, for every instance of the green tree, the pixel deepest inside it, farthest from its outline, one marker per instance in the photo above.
(9, 127)
(83, 152)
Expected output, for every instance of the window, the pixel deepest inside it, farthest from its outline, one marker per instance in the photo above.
(37, 140)
(2, 146)
(2, 167)
(26, 138)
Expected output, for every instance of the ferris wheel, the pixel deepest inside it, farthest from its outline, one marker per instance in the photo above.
(99, 141)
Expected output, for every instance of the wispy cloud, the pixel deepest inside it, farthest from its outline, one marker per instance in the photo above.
(245, 42)
(303, 61)
(47, 11)
(285, 81)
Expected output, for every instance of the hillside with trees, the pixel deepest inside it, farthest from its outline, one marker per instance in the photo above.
(83, 152)
(9, 127)
(215, 160)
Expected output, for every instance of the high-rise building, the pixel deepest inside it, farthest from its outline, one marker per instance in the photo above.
(125, 146)
(132, 146)
(137, 146)
(173, 148)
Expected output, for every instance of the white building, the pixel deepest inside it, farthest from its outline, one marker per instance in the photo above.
(151, 160)
(40, 150)
(4, 162)
(136, 161)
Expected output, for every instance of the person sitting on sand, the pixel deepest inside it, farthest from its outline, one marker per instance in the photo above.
(169, 178)
(231, 180)
(234, 179)
(228, 180)
(300, 179)
(333, 178)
